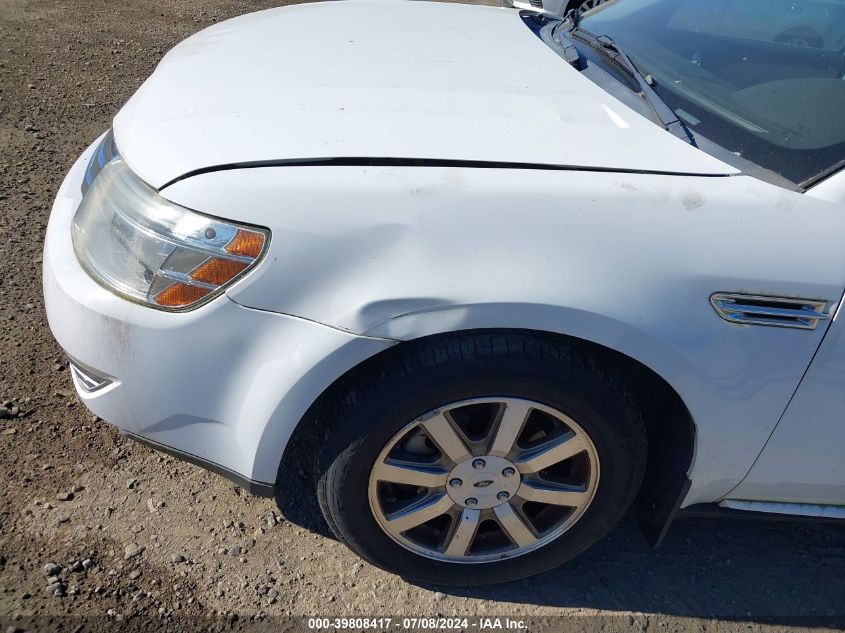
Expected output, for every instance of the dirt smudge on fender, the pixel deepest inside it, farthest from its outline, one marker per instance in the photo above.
(692, 199)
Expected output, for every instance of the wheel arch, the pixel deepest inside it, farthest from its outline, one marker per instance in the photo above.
(670, 427)
(811, 36)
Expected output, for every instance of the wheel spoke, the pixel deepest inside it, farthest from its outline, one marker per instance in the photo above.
(443, 476)
(513, 419)
(440, 430)
(418, 513)
(464, 532)
(590, 4)
(551, 452)
(572, 496)
(513, 525)
(410, 474)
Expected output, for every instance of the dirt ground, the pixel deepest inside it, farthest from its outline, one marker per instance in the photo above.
(96, 531)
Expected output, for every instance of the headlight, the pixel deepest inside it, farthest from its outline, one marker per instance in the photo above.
(106, 152)
(147, 249)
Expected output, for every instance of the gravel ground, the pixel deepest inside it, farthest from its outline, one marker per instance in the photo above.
(96, 531)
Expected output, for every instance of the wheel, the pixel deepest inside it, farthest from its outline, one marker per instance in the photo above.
(479, 459)
(803, 37)
(584, 5)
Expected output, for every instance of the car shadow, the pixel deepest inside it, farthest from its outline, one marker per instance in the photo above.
(787, 573)
(729, 569)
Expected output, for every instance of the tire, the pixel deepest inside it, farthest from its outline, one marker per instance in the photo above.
(584, 5)
(557, 375)
(802, 37)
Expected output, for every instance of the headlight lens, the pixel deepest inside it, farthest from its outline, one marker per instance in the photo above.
(106, 152)
(150, 250)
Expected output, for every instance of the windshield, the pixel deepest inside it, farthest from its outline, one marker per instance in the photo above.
(764, 79)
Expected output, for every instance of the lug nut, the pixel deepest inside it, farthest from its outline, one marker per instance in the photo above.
(455, 483)
(472, 501)
(508, 472)
(478, 464)
(502, 496)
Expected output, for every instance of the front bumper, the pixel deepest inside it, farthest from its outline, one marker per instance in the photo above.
(522, 5)
(222, 385)
(548, 7)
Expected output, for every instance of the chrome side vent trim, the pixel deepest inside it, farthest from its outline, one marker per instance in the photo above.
(87, 379)
(803, 314)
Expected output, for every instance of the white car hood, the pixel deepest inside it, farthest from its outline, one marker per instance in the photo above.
(384, 80)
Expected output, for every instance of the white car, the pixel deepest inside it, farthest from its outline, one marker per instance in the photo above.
(553, 7)
(328, 237)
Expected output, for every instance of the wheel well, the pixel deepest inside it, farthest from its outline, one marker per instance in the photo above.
(671, 442)
(813, 38)
(669, 425)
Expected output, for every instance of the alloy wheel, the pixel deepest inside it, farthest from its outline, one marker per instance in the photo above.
(589, 4)
(484, 479)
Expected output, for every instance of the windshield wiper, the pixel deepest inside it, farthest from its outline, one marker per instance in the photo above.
(608, 48)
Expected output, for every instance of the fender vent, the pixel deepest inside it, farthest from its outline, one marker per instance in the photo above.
(803, 314)
(87, 379)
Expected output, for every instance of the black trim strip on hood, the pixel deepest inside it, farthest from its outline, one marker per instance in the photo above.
(427, 162)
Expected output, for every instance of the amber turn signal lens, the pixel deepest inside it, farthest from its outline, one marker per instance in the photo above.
(247, 243)
(218, 271)
(180, 295)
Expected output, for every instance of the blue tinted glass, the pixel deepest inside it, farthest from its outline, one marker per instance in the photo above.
(763, 78)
